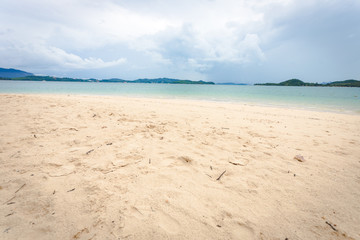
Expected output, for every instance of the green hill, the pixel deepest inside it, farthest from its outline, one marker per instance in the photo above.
(297, 82)
(112, 80)
(6, 73)
(346, 83)
(290, 82)
(155, 80)
(51, 79)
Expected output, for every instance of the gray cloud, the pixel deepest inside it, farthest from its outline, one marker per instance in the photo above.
(319, 43)
(243, 41)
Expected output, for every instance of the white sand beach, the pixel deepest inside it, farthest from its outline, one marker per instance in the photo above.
(91, 167)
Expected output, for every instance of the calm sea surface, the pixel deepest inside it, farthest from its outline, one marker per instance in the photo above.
(318, 98)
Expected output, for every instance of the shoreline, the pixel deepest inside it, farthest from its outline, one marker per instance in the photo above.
(100, 167)
(194, 100)
(327, 99)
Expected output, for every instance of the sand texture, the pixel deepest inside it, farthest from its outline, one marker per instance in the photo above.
(88, 167)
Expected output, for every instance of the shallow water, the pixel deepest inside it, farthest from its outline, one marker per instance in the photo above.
(319, 98)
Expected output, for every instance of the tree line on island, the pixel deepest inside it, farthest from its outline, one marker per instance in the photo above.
(18, 75)
(112, 80)
(297, 82)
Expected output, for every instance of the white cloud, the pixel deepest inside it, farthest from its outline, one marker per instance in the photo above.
(71, 60)
(187, 38)
(52, 57)
(62, 28)
(197, 66)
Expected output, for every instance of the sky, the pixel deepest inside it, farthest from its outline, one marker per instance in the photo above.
(242, 41)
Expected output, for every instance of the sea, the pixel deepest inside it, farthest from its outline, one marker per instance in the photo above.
(333, 99)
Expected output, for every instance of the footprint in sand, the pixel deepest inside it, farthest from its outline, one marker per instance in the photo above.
(168, 223)
(243, 232)
(60, 170)
(240, 231)
(252, 186)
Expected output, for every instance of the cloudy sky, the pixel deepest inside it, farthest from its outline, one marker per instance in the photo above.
(215, 40)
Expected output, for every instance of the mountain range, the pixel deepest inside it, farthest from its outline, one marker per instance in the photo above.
(13, 74)
(19, 75)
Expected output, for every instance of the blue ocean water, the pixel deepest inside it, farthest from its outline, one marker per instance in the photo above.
(318, 98)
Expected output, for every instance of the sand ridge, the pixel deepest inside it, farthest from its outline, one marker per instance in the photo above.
(87, 167)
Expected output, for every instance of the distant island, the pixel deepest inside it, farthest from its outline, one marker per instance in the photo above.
(112, 80)
(297, 82)
(13, 73)
(230, 83)
(18, 75)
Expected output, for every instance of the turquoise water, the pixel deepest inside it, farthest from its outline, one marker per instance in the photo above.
(319, 98)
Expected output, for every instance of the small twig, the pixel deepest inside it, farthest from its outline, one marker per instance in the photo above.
(35, 136)
(87, 153)
(234, 163)
(71, 190)
(114, 169)
(119, 166)
(15, 154)
(149, 160)
(135, 208)
(208, 175)
(20, 188)
(109, 144)
(124, 165)
(10, 214)
(9, 199)
(73, 129)
(221, 175)
(54, 192)
(62, 175)
(7, 230)
(331, 226)
(10, 203)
